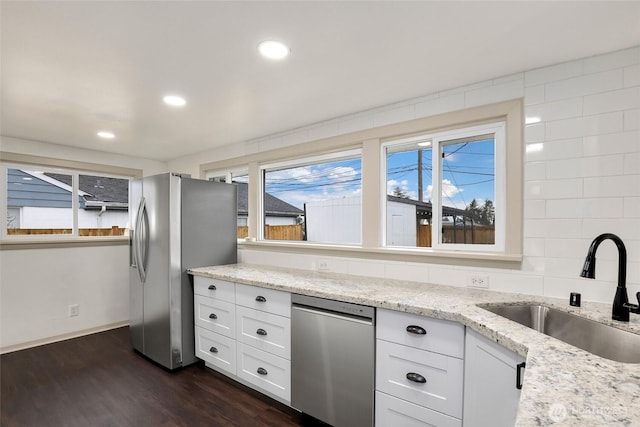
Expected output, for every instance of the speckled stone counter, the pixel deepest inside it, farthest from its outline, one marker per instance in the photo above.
(563, 385)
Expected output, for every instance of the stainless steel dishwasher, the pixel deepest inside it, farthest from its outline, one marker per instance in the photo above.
(333, 360)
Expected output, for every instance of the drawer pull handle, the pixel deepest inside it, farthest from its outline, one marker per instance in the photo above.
(213, 350)
(261, 332)
(519, 368)
(212, 287)
(416, 378)
(262, 371)
(213, 316)
(418, 330)
(260, 298)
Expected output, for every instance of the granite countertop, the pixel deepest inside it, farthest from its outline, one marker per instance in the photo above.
(563, 385)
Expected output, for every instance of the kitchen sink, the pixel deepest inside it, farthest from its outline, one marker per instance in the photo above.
(597, 338)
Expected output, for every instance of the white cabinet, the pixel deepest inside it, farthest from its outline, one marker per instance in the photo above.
(491, 372)
(419, 370)
(245, 332)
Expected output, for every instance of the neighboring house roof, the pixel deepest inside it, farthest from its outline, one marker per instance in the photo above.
(426, 206)
(272, 205)
(99, 188)
(53, 190)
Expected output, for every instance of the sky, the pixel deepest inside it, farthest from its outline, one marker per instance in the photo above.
(467, 173)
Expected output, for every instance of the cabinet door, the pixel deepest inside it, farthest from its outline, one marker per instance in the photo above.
(266, 331)
(391, 412)
(265, 371)
(427, 379)
(215, 315)
(490, 394)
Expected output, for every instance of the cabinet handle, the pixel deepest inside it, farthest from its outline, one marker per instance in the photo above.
(416, 378)
(418, 330)
(212, 287)
(262, 371)
(213, 316)
(261, 332)
(260, 298)
(519, 368)
(213, 350)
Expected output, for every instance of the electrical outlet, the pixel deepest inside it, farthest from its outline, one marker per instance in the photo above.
(322, 265)
(478, 281)
(74, 310)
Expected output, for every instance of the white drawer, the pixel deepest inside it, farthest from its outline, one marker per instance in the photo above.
(266, 331)
(265, 371)
(442, 390)
(263, 299)
(216, 350)
(215, 315)
(391, 411)
(441, 336)
(214, 288)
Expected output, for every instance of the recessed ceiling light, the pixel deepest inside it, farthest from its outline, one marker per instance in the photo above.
(106, 135)
(175, 101)
(273, 49)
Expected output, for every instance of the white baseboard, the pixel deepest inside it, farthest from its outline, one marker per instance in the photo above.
(63, 337)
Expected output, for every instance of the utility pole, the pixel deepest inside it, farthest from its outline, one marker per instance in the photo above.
(420, 175)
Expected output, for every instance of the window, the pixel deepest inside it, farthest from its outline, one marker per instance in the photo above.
(315, 200)
(444, 190)
(48, 202)
(241, 179)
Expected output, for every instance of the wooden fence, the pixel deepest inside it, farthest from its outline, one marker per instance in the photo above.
(276, 232)
(477, 234)
(113, 231)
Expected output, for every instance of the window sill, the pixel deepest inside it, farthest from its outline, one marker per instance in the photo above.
(461, 258)
(43, 243)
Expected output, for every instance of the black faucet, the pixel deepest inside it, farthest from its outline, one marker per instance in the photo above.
(621, 306)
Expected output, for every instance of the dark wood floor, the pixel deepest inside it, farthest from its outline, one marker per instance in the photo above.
(98, 380)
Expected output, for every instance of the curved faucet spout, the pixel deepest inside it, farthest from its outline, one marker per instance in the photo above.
(620, 311)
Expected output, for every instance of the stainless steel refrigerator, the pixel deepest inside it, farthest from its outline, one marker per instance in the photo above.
(176, 223)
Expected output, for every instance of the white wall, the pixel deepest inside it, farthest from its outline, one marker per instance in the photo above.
(38, 285)
(581, 176)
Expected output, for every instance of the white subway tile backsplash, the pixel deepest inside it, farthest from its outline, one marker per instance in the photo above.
(566, 108)
(495, 93)
(528, 284)
(632, 119)
(440, 105)
(509, 78)
(407, 271)
(585, 85)
(557, 189)
(603, 207)
(354, 124)
(535, 171)
(632, 207)
(611, 186)
(627, 229)
(563, 129)
(534, 133)
(365, 268)
(534, 95)
(609, 61)
(562, 248)
(451, 276)
(614, 143)
(585, 167)
(534, 247)
(565, 208)
(632, 163)
(553, 73)
(617, 100)
(603, 123)
(535, 208)
(553, 228)
(632, 76)
(560, 149)
(396, 115)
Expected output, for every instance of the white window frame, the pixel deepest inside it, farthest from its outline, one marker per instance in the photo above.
(300, 162)
(438, 141)
(75, 205)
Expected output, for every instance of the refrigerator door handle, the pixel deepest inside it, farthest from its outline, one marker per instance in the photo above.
(141, 238)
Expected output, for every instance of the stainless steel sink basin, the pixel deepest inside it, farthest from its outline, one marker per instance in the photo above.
(594, 337)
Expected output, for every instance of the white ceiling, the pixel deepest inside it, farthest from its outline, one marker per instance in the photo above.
(70, 69)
